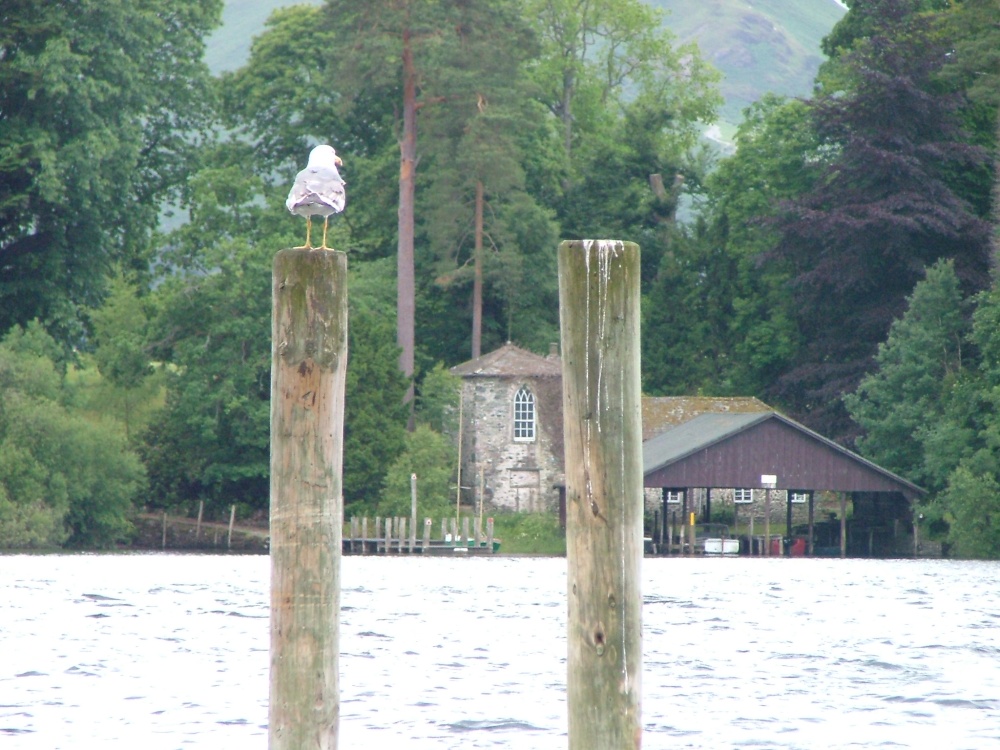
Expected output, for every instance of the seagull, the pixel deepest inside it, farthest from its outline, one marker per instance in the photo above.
(318, 190)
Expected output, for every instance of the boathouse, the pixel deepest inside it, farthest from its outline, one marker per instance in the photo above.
(762, 465)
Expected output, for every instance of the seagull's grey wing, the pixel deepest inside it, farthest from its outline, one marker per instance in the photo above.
(317, 190)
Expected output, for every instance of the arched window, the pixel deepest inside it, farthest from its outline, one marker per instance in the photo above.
(524, 415)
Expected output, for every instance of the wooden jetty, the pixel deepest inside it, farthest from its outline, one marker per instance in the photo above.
(398, 536)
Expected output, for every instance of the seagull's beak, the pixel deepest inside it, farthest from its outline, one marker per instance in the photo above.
(337, 161)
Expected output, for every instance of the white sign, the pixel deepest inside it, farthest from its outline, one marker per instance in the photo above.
(769, 480)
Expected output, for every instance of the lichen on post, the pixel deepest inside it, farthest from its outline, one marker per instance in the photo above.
(599, 320)
(308, 375)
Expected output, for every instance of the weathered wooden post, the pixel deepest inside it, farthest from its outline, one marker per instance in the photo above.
(413, 512)
(788, 523)
(767, 522)
(308, 371)
(812, 518)
(599, 320)
(843, 524)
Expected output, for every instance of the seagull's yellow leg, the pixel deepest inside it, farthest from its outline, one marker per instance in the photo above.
(306, 246)
(326, 222)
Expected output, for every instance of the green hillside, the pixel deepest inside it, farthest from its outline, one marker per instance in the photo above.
(759, 45)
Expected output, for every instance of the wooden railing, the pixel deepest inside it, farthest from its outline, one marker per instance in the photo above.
(399, 535)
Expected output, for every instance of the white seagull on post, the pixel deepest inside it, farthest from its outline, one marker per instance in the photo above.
(318, 190)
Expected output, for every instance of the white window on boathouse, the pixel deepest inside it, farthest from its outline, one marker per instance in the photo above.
(524, 415)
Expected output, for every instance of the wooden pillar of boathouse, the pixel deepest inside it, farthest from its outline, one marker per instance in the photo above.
(599, 321)
(308, 374)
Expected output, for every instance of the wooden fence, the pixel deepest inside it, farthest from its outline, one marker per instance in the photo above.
(400, 536)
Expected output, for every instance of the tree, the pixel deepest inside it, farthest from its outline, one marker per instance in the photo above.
(973, 501)
(63, 478)
(629, 102)
(375, 415)
(120, 341)
(390, 44)
(211, 442)
(475, 202)
(431, 457)
(100, 101)
(210, 327)
(282, 110)
(903, 402)
(715, 320)
(594, 52)
(438, 401)
(856, 242)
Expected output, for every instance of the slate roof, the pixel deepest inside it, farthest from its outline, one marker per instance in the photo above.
(510, 361)
(693, 436)
(710, 430)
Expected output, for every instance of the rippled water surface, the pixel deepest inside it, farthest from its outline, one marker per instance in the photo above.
(170, 651)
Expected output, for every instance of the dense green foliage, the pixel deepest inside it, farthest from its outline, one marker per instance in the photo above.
(901, 405)
(100, 103)
(64, 478)
(842, 250)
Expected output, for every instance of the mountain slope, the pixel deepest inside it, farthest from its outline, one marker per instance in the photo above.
(759, 45)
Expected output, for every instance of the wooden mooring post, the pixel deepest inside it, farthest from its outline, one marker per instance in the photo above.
(599, 320)
(308, 371)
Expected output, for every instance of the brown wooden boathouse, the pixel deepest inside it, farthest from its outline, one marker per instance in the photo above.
(765, 451)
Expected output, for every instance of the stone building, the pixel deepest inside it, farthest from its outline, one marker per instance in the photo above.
(512, 429)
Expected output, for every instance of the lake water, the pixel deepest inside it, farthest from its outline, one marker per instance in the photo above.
(171, 651)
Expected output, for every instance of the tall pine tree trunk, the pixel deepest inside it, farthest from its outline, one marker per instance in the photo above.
(405, 284)
(477, 283)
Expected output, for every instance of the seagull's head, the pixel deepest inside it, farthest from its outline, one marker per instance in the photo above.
(324, 156)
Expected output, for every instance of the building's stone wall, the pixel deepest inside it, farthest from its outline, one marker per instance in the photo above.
(518, 476)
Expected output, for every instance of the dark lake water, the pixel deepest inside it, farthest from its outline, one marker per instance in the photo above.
(170, 651)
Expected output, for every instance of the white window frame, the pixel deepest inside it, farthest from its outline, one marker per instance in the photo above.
(525, 416)
(742, 496)
(673, 497)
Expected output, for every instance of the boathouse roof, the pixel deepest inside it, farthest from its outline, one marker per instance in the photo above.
(739, 449)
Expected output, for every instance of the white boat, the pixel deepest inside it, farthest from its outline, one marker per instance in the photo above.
(720, 546)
